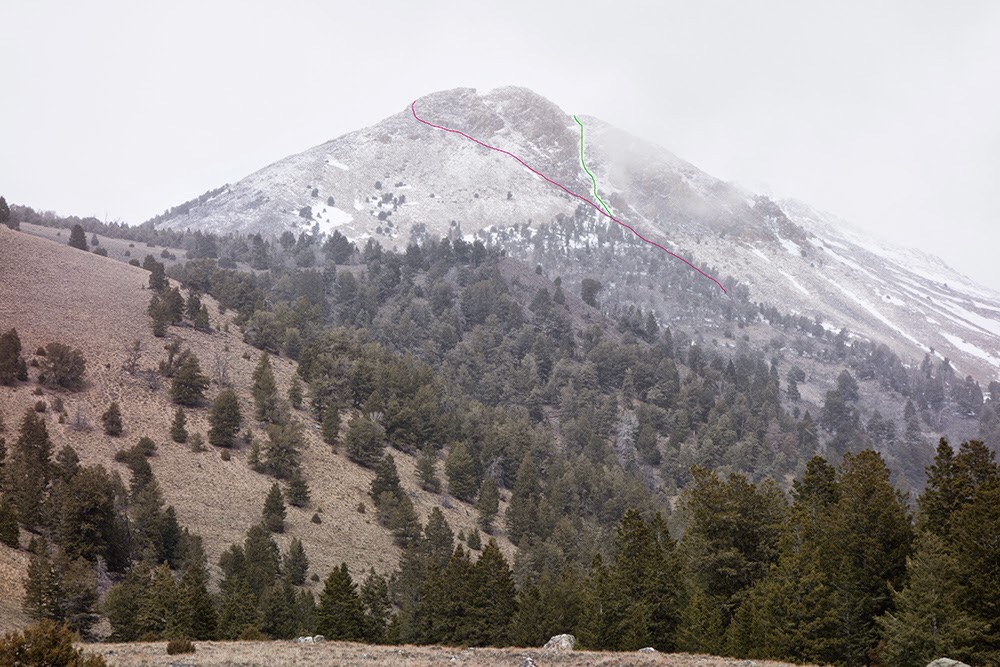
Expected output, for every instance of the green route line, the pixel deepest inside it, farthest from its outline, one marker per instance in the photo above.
(592, 179)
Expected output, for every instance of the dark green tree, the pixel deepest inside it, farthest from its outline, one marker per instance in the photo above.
(28, 469)
(340, 615)
(189, 384)
(365, 441)
(488, 504)
(295, 393)
(297, 492)
(426, 472)
(9, 532)
(461, 472)
(265, 391)
(12, 365)
(78, 238)
(273, 515)
(377, 606)
(112, 420)
(282, 451)
(330, 425)
(295, 563)
(63, 366)
(178, 430)
(224, 419)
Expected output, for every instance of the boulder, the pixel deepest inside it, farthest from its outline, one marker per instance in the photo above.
(527, 662)
(648, 649)
(319, 638)
(560, 643)
(946, 662)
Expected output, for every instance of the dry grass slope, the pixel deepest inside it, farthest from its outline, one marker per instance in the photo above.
(254, 654)
(51, 292)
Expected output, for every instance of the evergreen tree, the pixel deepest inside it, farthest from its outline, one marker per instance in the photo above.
(157, 616)
(330, 425)
(225, 419)
(78, 238)
(281, 453)
(278, 611)
(365, 441)
(112, 420)
(930, 619)
(63, 366)
(297, 492)
(201, 320)
(426, 472)
(377, 606)
(265, 391)
(386, 480)
(43, 597)
(189, 384)
(5, 216)
(123, 601)
(461, 472)
(12, 365)
(952, 481)
(340, 615)
(492, 602)
(977, 554)
(87, 516)
(522, 512)
(488, 504)
(296, 565)
(196, 612)
(9, 532)
(28, 470)
(178, 430)
(295, 393)
(159, 313)
(274, 510)
(193, 305)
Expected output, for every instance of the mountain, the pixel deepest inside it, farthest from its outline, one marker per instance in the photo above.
(400, 180)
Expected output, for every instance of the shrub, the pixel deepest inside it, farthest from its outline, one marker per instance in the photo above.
(40, 406)
(45, 643)
(102, 252)
(316, 519)
(40, 352)
(226, 455)
(175, 646)
(112, 420)
(64, 366)
(252, 633)
(197, 443)
(38, 391)
(134, 262)
(57, 404)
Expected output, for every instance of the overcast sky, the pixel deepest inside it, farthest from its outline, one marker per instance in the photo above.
(887, 114)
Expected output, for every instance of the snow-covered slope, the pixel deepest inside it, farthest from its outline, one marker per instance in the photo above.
(400, 180)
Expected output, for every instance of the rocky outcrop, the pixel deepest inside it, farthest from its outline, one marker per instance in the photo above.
(560, 643)
(946, 662)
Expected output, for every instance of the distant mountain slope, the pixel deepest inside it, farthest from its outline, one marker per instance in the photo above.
(51, 292)
(400, 180)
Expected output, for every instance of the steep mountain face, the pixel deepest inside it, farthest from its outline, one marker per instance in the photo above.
(400, 181)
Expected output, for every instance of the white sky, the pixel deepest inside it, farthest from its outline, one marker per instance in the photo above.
(887, 113)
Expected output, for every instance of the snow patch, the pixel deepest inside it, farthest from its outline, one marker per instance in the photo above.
(791, 246)
(969, 348)
(794, 282)
(331, 219)
(877, 315)
(339, 165)
(764, 257)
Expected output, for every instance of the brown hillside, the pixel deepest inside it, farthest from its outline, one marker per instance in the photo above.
(51, 292)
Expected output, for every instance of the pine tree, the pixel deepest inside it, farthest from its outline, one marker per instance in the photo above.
(157, 615)
(296, 565)
(977, 555)
(189, 384)
(281, 453)
(330, 426)
(112, 420)
(5, 216)
(522, 512)
(295, 393)
(488, 505)
(426, 472)
(493, 600)
(265, 391)
(9, 532)
(377, 606)
(123, 601)
(28, 470)
(78, 238)
(87, 515)
(930, 619)
(225, 419)
(274, 510)
(196, 613)
(386, 480)
(340, 615)
(297, 492)
(365, 441)
(12, 365)
(278, 611)
(202, 321)
(178, 432)
(43, 597)
(461, 472)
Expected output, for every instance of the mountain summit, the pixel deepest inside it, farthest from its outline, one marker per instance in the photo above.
(400, 181)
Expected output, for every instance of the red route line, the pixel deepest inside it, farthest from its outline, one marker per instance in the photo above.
(413, 109)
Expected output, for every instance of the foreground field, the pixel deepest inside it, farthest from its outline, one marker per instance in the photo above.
(252, 654)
